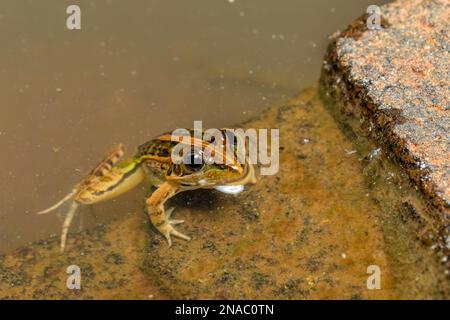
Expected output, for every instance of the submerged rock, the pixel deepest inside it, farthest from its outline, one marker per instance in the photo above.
(392, 85)
(284, 237)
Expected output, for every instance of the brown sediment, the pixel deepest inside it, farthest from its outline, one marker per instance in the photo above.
(389, 88)
(108, 257)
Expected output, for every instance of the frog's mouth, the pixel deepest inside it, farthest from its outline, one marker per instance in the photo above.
(200, 180)
(192, 183)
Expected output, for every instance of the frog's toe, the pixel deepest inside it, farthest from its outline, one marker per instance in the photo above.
(168, 230)
(175, 222)
(169, 212)
(180, 235)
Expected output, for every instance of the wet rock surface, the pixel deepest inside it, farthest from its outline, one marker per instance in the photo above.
(307, 232)
(108, 258)
(392, 85)
(295, 235)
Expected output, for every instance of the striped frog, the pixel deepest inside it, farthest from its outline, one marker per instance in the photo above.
(111, 178)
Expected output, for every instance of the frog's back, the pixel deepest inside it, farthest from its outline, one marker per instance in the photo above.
(160, 146)
(156, 147)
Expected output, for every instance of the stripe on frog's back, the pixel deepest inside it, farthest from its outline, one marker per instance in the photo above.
(162, 145)
(225, 133)
(156, 147)
(227, 139)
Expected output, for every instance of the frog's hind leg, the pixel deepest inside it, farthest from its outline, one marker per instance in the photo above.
(106, 168)
(68, 216)
(60, 203)
(161, 219)
(66, 224)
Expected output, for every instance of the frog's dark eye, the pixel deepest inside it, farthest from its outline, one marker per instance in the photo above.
(193, 162)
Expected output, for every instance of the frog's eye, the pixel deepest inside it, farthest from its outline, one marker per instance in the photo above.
(193, 162)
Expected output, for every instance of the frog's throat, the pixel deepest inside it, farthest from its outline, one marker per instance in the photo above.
(123, 177)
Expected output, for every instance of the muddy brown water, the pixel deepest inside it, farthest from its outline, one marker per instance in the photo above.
(134, 71)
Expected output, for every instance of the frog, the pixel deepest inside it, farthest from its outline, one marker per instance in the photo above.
(153, 162)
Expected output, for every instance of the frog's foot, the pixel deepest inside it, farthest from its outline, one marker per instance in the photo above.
(169, 214)
(166, 227)
(67, 221)
(168, 230)
(68, 215)
(60, 203)
(161, 218)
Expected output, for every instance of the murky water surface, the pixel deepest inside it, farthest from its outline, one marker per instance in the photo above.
(136, 70)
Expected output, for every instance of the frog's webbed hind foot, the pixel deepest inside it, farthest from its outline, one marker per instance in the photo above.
(68, 216)
(168, 230)
(66, 224)
(90, 181)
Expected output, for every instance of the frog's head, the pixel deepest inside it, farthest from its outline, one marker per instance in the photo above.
(195, 172)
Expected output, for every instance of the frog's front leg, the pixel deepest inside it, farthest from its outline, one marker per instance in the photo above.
(159, 218)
